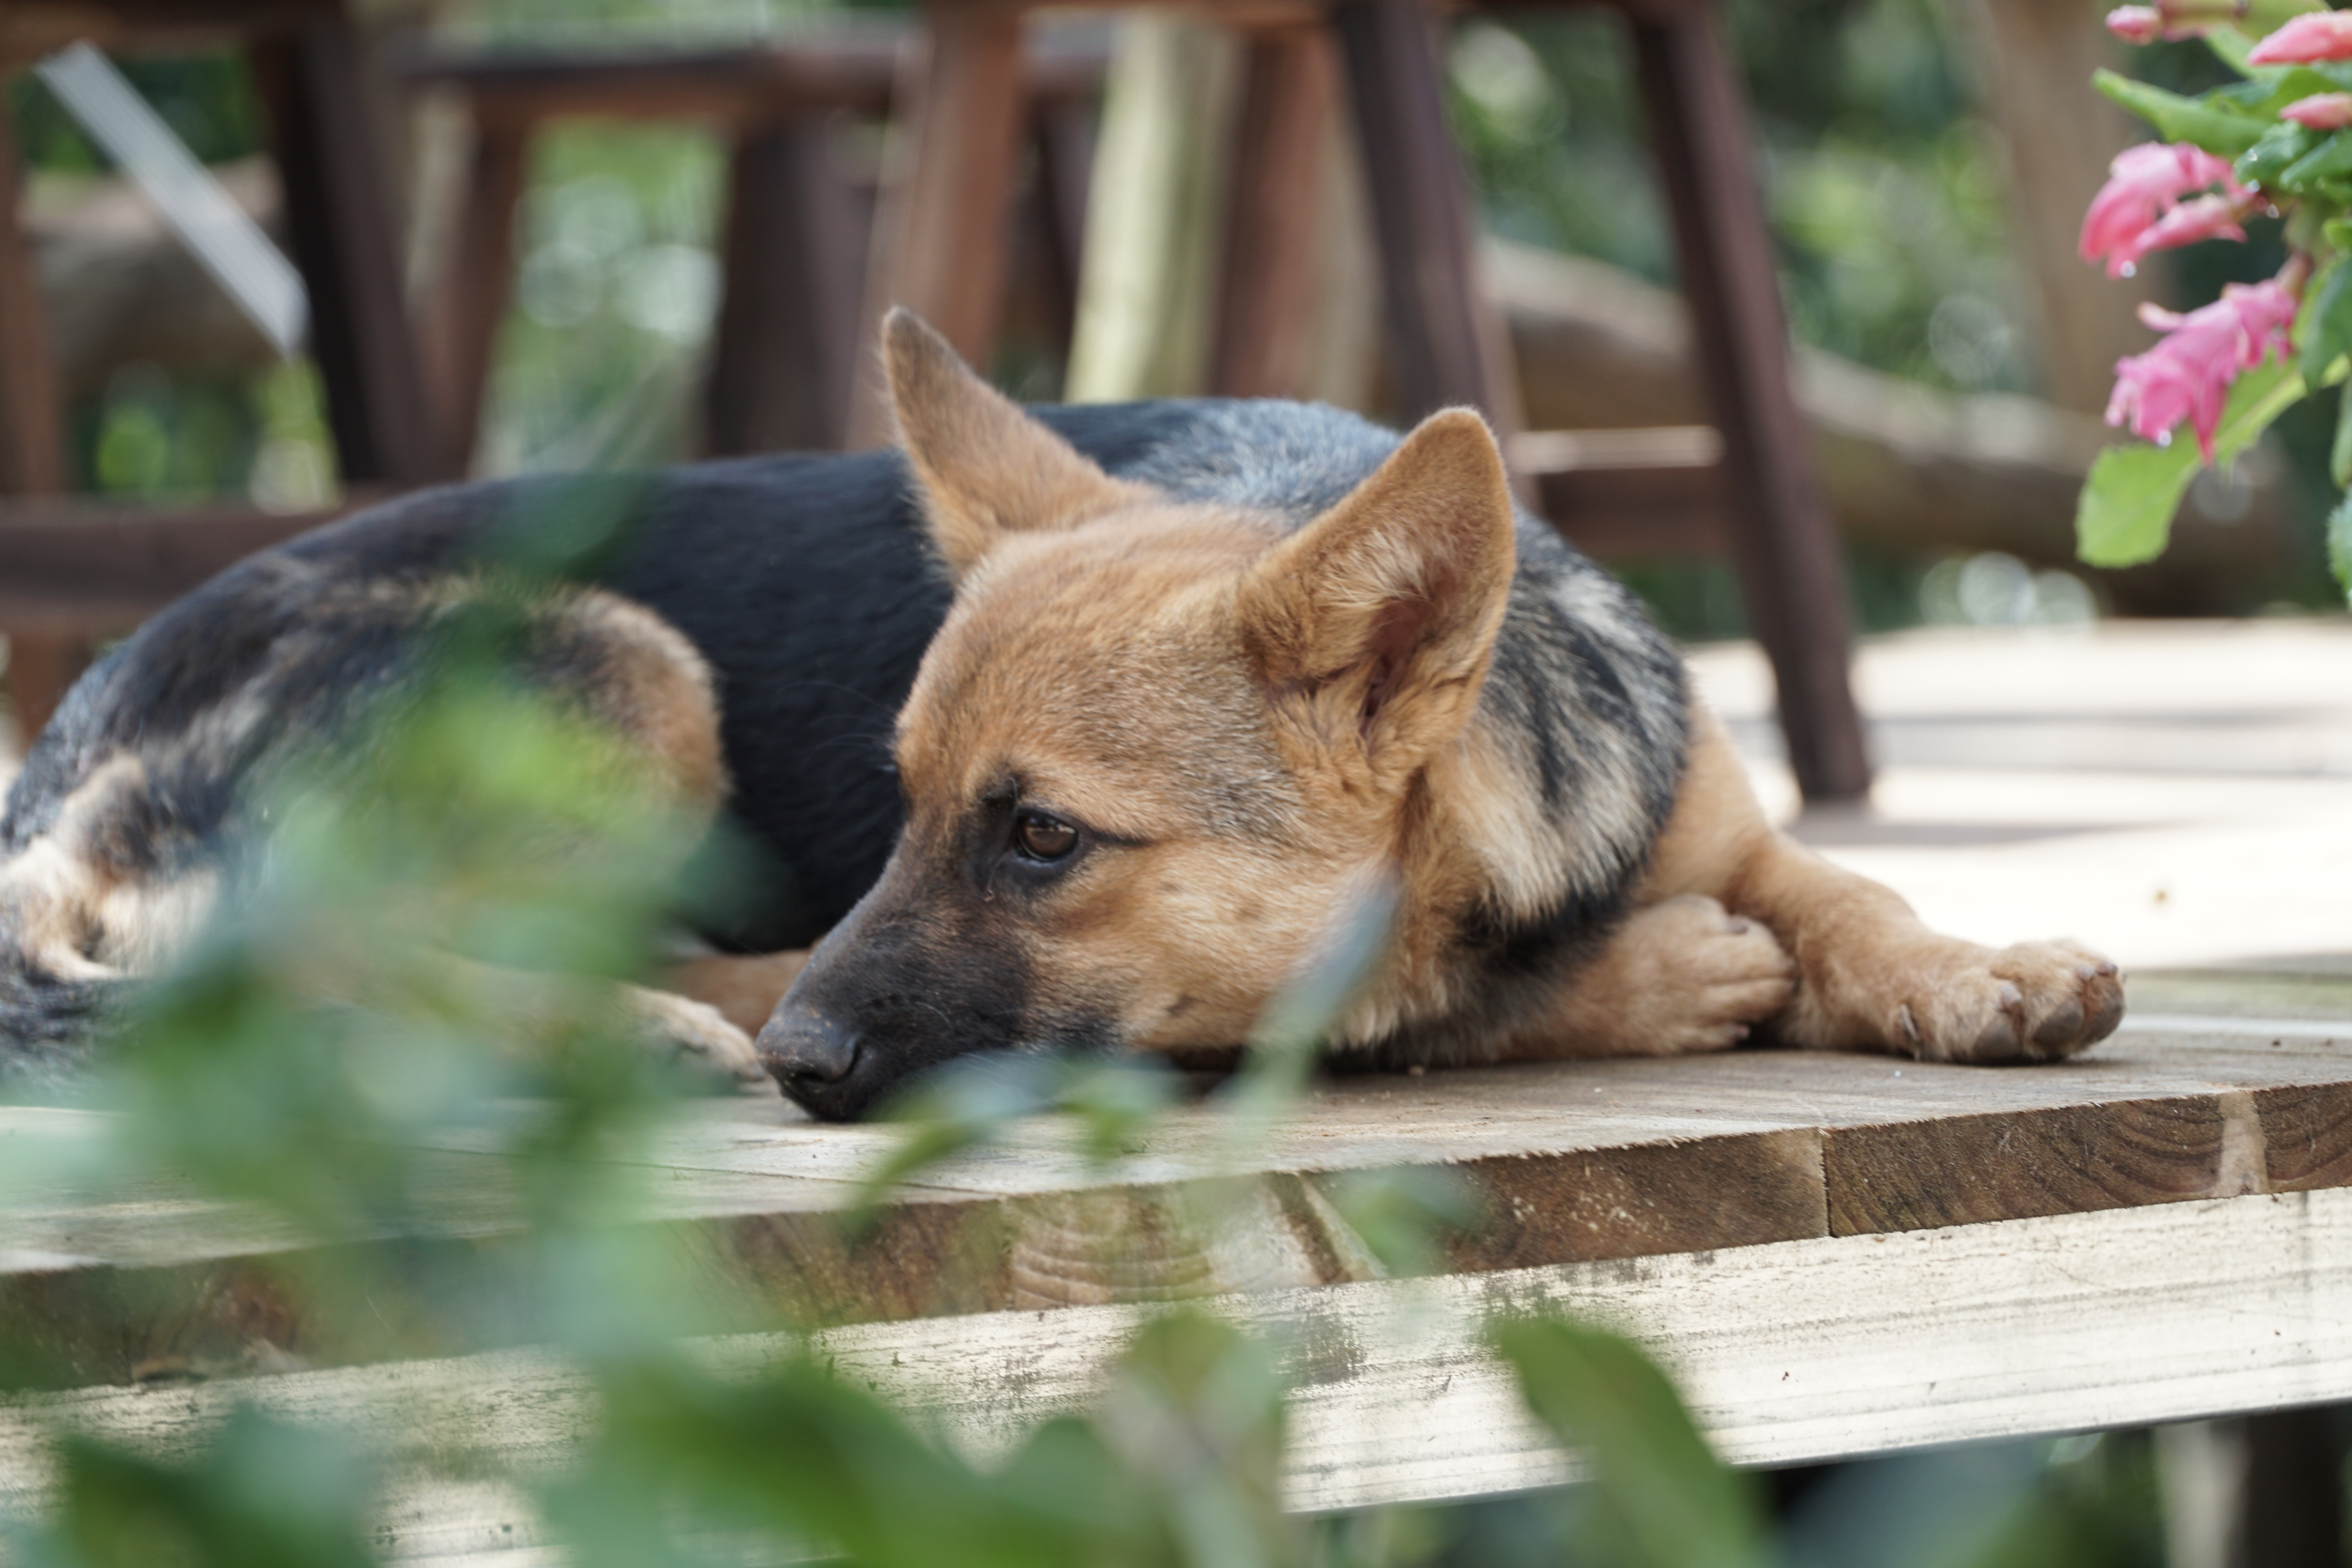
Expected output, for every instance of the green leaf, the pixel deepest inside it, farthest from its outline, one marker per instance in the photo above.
(2339, 454)
(2264, 17)
(2339, 534)
(1660, 1491)
(2180, 118)
(2125, 515)
(2231, 46)
(2265, 163)
(2332, 159)
(2325, 331)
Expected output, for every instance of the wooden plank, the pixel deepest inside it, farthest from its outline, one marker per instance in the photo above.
(1782, 541)
(781, 370)
(340, 219)
(939, 235)
(1265, 315)
(1788, 1354)
(1445, 341)
(478, 279)
(1579, 1161)
(853, 70)
(92, 569)
(32, 428)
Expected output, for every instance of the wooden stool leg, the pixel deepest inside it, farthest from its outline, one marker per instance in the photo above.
(1265, 294)
(1065, 133)
(940, 241)
(41, 665)
(780, 375)
(339, 217)
(474, 294)
(1446, 346)
(32, 431)
(1783, 543)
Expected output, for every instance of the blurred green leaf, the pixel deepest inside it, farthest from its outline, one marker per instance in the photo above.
(2325, 332)
(2339, 527)
(2266, 162)
(1660, 1497)
(2125, 514)
(1403, 1215)
(262, 1494)
(2180, 118)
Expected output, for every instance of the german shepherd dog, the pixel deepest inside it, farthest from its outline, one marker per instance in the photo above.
(1207, 670)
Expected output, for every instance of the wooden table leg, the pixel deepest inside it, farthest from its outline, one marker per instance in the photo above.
(41, 665)
(480, 283)
(781, 371)
(1065, 133)
(1445, 342)
(346, 240)
(1273, 232)
(940, 235)
(1783, 543)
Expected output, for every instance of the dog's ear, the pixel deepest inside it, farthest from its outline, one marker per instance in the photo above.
(1381, 616)
(986, 468)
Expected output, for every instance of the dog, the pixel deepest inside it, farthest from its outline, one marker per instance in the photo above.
(1068, 727)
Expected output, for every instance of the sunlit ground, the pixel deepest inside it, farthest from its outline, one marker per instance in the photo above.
(2170, 792)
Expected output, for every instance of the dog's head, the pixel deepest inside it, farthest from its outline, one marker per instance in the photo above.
(1152, 748)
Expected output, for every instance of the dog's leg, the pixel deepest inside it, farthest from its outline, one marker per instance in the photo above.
(1871, 977)
(1681, 975)
(743, 987)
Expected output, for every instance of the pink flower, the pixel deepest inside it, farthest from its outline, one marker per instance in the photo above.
(2188, 375)
(2321, 111)
(2146, 183)
(2306, 39)
(2171, 19)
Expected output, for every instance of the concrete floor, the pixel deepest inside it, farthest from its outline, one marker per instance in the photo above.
(2174, 793)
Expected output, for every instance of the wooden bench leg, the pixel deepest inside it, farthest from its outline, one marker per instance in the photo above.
(42, 667)
(1065, 133)
(781, 371)
(1273, 229)
(1783, 543)
(32, 431)
(939, 235)
(346, 240)
(1446, 346)
(474, 292)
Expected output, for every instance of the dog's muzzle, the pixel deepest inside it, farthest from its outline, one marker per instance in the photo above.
(814, 1058)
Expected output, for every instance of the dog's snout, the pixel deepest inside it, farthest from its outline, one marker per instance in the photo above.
(804, 1048)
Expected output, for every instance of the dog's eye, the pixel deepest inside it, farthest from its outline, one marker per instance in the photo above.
(1043, 838)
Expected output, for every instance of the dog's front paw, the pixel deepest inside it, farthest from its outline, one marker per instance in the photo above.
(2034, 1001)
(698, 1036)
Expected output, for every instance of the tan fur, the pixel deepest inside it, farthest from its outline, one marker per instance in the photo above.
(1312, 719)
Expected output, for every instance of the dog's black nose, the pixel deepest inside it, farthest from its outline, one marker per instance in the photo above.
(805, 1050)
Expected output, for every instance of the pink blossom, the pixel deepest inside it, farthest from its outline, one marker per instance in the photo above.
(2188, 375)
(2306, 39)
(2146, 184)
(2135, 24)
(2321, 111)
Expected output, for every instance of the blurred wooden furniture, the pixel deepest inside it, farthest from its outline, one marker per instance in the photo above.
(794, 246)
(935, 251)
(309, 67)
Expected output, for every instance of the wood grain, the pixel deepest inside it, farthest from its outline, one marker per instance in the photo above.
(1788, 1354)
(1579, 1160)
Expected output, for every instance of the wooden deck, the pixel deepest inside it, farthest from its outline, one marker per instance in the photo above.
(1836, 1255)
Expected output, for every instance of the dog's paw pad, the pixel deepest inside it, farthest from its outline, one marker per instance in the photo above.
(2037, 1001)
